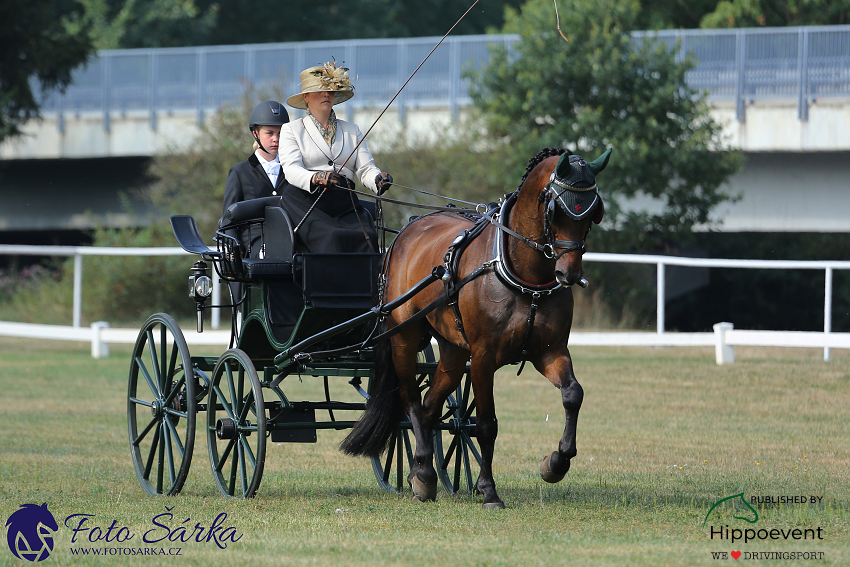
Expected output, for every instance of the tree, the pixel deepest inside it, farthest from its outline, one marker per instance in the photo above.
(603, 89)
(241, 22)
(769, 13)
(127, 24)
(38, 53)
(665, 14)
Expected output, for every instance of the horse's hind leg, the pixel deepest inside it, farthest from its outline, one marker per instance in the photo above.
(560, 372)
(423, 476)
(486, 427)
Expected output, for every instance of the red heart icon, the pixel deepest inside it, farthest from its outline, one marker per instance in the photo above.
(736, 554)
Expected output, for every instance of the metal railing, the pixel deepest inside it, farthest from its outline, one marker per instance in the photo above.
(826, 339)
(804, 63)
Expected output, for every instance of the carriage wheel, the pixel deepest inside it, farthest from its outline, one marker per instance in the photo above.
(161, 406)
(391, 470)
(456, 463)
(236, 425)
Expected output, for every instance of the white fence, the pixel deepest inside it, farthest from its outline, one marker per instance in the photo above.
(723, 338)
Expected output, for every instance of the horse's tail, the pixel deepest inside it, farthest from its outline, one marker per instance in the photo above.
(370, 436)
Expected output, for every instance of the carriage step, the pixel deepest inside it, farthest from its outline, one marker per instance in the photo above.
(301, 435)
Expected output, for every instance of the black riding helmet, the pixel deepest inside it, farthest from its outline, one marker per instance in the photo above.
(267, 113)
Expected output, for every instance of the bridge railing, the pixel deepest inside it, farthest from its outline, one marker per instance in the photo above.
(804, 63)
(723, 337)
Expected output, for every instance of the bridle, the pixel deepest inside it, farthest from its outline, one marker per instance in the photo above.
(549, 197)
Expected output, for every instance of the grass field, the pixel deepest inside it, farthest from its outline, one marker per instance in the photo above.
(663, 435)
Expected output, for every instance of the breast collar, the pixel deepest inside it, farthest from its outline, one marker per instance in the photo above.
(502, 265)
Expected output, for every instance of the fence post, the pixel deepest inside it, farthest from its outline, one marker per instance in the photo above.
(99, 349)
(827, 310)
(660, 299)
(723, 353)
(78, 289)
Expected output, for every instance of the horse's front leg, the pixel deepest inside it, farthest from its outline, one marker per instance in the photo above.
(559, 371)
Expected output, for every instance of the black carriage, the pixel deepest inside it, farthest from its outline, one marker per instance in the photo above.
(293, 314)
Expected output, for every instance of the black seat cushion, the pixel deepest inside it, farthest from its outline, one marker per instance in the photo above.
(260, 269)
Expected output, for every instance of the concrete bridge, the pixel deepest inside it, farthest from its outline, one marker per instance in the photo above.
(782, 94)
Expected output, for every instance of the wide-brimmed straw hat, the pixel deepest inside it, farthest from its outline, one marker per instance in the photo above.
(323, 78)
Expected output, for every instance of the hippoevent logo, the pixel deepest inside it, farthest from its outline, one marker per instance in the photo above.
(744, 509)
(29, 532)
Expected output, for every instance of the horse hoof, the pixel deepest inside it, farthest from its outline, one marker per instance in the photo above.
(494, 505)
(423, 492)
(547, 474)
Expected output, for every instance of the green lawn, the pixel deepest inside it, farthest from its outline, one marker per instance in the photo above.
(663, 435)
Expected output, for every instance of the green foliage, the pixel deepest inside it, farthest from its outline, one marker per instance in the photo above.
(243, 22)
(602, 89)
(37, 51)
(769, 13)
(124, 24)
(663, 14)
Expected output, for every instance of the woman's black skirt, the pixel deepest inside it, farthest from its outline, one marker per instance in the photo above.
(338, 223)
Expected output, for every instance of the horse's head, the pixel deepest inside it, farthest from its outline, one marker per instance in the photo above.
(571, 202)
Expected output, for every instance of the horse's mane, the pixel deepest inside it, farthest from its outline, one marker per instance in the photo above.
(541, 155)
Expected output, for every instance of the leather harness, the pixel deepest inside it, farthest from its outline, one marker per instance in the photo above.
(502, 267)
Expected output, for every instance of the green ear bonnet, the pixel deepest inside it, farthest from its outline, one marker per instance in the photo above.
(573, 184)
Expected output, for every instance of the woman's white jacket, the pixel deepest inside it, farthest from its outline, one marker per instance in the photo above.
(303, 152)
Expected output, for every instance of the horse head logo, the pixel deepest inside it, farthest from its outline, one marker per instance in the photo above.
(29, 532)
(743, 500)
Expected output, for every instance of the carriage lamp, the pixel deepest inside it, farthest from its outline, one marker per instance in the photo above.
(200, 288)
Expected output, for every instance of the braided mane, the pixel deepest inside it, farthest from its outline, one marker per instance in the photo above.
(541, 155)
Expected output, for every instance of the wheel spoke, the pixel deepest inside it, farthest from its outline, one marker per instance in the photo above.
(160, 470)
(475, 453)
(224, 405)
(163, 347)
(144, 432)
(175, 436)
(248, 452)
(169, 454)
(172, 363)
(231, 389)
(222, 461)
(390, 452)
(141, 402)
(407, 446)
(450, 451)
(154, 362)
(456, 483)
(399, 465)
(151, 384)
(243, 470)
(174, 391)
(234, 467)
(243, 414)
(175, 413)
(152, 453)
(465, 454)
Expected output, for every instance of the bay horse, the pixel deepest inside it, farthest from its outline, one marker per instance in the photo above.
(518, 306)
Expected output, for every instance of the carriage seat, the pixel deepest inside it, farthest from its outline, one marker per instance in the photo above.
(266, 237)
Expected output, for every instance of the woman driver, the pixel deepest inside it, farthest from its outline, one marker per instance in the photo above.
(313, 152)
